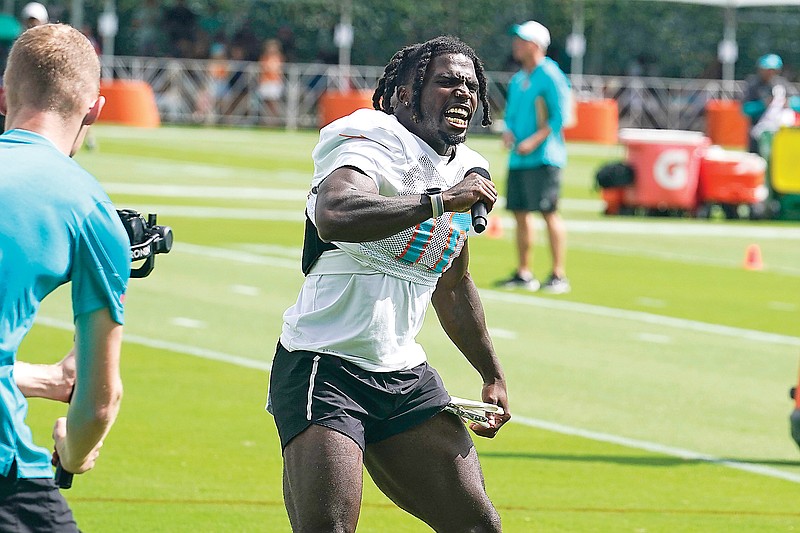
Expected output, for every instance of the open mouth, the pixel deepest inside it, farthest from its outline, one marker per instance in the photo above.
(458, 117)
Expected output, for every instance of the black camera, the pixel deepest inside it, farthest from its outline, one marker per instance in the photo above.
(147, 239)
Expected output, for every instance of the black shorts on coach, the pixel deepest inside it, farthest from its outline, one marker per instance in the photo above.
(533, 189)
(33, 506)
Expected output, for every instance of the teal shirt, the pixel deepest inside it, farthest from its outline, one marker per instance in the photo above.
(57, 226)
(548, 82)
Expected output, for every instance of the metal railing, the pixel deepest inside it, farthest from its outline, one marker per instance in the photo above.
(205, 92)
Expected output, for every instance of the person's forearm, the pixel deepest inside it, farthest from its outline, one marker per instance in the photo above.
(53, 382)
(359, 216)
(461, 314)
(87, 425)
(541, 134)
(98, 388)
(37, 381)
(532, 142)
(350, 209)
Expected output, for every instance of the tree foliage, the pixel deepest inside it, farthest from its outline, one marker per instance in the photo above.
(623, 36)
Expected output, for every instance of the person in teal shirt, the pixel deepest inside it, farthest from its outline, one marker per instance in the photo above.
(537, 106)
(58, 227)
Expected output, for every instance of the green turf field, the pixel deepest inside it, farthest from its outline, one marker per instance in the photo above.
(653, 398)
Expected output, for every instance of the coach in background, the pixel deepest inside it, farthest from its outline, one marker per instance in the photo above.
(769, 101)
(57, 226)
(538, 102)
(386, 235)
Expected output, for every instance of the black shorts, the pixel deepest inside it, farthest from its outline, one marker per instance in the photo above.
(311, 388)
(33, 505)
(534, 189)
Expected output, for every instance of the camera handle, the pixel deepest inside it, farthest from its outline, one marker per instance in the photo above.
(144, 250)
(158, 241)
(63, 478)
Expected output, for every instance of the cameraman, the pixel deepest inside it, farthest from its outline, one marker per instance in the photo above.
(58, 226)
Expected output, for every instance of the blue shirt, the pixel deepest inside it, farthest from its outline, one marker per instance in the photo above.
(57, 226)
(548, 83)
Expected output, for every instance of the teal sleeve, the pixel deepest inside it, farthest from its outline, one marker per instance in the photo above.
(101, 264)
(556, 98)
(511, 109)
(794, 103)
(753, 108)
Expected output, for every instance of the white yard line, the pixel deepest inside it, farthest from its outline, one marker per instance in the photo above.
(528, 300)
(679, 258)
(221, 213)
(238, 256)
(194, 191)
(654, 447)
(640, 316)
(526, 421)
(189, 323)
(169, 346)
(608, 227)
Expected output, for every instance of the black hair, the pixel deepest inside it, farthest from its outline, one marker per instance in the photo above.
(410, 64)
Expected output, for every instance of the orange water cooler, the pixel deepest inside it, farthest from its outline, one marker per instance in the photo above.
(666, 166)
(129, 102)
(731, 177)
(726, 124)
(337, 104)
(595, 121)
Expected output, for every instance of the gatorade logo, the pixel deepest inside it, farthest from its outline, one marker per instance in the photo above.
(671, 169)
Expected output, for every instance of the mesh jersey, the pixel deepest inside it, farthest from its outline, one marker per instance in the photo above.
(400, 163)
(366, 302)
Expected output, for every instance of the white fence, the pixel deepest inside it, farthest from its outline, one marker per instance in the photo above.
(205, 92)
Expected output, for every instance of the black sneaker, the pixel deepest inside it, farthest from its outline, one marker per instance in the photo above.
(556, 285)
(518, 282)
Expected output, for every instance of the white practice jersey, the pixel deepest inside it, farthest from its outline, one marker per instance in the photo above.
(366, 302)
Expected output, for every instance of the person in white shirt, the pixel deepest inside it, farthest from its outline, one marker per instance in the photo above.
(386, 235)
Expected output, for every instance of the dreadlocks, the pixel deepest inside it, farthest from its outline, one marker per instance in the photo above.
(410, 64)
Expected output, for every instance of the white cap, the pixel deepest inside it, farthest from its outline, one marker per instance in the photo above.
(533, 32)
(35, 10)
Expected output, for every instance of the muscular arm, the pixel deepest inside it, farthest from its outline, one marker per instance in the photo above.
(350, 209)
(460, 312)
(97, 393)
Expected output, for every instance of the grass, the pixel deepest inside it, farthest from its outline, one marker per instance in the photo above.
(667, 349)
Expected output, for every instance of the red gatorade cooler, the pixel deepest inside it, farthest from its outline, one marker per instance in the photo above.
(666, 164)
(731, 177)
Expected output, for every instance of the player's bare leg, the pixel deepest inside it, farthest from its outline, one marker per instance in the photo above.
(558, 242)
(322, 481)
(524, 237)
(432, 471)
(287, 499)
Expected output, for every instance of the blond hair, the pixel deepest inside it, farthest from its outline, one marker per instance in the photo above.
(52, 68)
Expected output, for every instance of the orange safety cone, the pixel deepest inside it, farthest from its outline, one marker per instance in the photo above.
(752, 258)
(495, 228)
